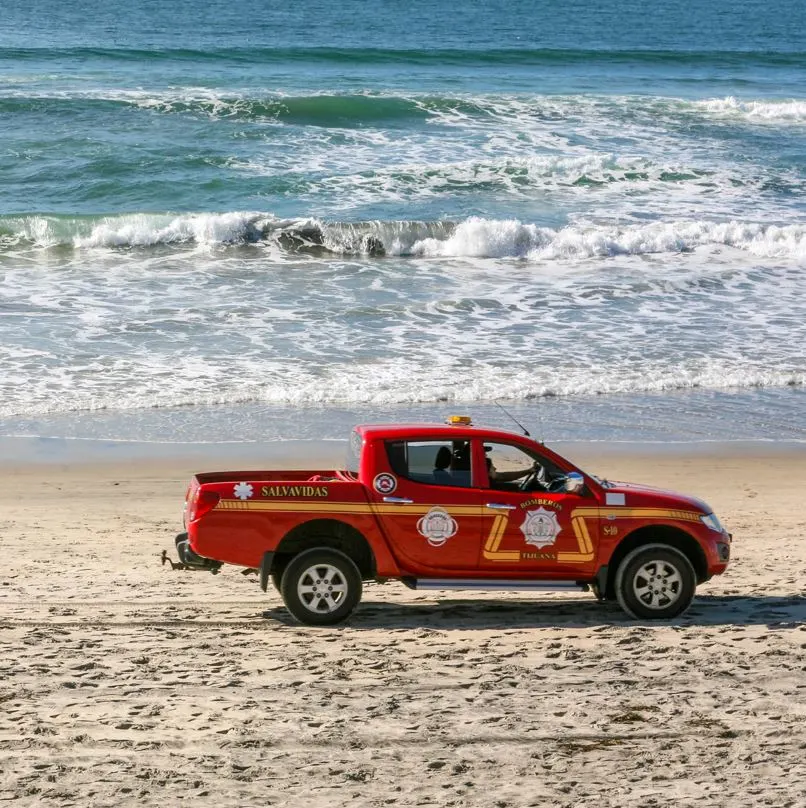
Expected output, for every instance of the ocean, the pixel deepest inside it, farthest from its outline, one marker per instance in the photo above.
(250, 221)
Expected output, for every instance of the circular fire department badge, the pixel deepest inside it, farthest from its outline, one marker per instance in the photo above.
(385, 483)
(437, 526)
(540, 527)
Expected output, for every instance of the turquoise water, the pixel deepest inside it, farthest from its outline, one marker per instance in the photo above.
(247, 212)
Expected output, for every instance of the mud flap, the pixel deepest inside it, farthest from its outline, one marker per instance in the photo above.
(265, 569)
(599, 586)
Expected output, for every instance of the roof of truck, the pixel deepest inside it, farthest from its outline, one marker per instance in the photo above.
(444, 431)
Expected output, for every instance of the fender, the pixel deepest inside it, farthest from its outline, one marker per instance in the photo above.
(363, 525)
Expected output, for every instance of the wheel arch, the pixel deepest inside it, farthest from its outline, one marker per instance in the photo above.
(331, 533)
(657, 534)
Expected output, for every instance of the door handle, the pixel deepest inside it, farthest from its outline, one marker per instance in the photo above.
(500, 506)
(398, 500)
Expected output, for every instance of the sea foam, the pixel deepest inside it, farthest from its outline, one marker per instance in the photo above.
(146, 231)
(484, 238)
(791, 111)
(377, 384)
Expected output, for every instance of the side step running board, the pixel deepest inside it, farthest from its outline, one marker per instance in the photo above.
(510, 585)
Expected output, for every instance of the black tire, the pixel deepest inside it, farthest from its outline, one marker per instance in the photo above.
(321, 587)
(655, 582)
(277, 570)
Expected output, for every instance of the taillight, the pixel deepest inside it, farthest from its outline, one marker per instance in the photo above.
(185, 507)
(203, 502)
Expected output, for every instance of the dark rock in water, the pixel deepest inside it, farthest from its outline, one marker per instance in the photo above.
(300, 238)
(311, 239)
(311, 233)
(253, 233)
(372, 245)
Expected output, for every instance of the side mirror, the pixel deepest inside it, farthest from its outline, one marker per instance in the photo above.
(574, 482)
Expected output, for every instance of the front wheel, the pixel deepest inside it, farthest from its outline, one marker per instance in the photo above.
(321, 587)
(655, 582)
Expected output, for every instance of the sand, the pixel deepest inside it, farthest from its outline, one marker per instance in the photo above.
(123, 683)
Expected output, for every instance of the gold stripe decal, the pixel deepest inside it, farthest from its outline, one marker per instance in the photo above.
(308, 507)
(491, 550)
(340, 507)
(649, 513)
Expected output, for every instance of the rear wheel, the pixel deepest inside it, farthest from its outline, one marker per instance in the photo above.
(276, 575)
(655, 582)
(321, 587)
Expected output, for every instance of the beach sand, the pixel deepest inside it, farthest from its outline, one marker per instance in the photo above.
(124, 683)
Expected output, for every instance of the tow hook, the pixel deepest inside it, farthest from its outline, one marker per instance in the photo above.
(188, 560)
(206, 564)
(175, 565)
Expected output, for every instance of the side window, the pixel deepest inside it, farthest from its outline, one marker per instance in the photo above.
(510, 468)
(431, 462)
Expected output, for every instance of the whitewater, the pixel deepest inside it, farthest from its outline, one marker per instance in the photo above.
(231, 234)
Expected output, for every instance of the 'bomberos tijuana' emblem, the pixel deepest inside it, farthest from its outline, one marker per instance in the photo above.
(540, 527)
(385, 483)
(437, 526)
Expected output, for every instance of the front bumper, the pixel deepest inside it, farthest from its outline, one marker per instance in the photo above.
(717, 553)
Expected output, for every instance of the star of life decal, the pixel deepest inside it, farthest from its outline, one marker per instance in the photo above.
(437, 526)
(243, 490)
(540, 527)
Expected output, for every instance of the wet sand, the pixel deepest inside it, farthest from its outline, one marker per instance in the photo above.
(123, 683)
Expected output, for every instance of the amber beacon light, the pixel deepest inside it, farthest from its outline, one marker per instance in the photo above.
(459, 420)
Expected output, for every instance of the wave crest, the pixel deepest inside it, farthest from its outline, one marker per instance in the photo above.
(474, 237)
(792, 111)
(496, 239)
(415, 56)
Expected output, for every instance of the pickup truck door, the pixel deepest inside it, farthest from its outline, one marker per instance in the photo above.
(534, 532)
(426, 507)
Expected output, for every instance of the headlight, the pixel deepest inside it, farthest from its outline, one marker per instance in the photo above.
(710, 520)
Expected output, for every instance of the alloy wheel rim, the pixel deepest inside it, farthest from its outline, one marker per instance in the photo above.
(658, 584)
(322, 588)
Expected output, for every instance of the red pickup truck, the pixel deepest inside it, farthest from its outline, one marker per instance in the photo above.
(452, 506)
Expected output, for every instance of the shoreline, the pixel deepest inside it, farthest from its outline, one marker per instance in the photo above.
(763, 414)
(37, 452)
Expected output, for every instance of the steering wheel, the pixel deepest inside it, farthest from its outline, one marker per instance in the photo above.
(537, 476)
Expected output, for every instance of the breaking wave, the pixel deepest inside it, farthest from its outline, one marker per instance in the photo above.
(356, 110)
(792, 111)
(473, 237)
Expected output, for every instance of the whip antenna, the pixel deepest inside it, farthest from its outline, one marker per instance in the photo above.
(512, 418)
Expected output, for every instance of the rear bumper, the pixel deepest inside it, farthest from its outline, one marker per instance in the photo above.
(192, 560)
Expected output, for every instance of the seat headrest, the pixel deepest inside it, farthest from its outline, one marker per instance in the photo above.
(443, 458)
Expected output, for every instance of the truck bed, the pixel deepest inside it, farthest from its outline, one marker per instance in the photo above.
(274, 475)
